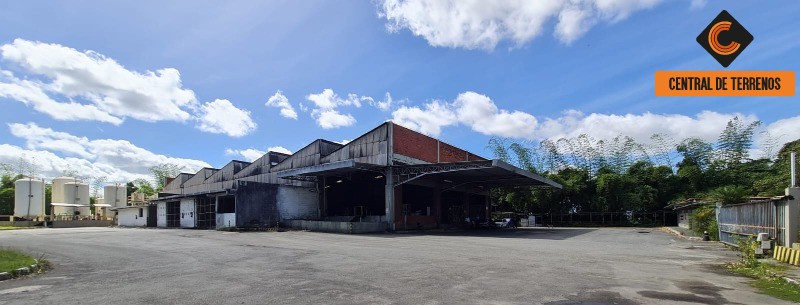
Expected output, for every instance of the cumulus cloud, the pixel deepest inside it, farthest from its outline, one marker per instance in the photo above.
(484, 24)
(220, 116)
(385, 104)
(325, 108)
(279, 100)
(482, 115)
(72, 85)
(475, 110)
(280, 149)
(118, 160)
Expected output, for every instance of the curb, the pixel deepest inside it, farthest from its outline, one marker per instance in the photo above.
(679, 234)
(790, 280)
(19, 272)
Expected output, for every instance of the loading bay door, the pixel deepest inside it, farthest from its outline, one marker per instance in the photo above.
(206, 213)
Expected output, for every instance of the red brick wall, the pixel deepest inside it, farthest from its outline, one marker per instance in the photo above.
(419, 146)
(413, 144)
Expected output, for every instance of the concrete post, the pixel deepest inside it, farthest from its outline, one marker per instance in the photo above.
(792, 216)
(389, 194)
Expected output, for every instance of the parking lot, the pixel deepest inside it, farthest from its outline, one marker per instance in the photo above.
(522, 266)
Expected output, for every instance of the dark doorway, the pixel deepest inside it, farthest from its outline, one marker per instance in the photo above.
(152, 216)
(359, 195)
(206, 213)
(174, 214)
(452, 207)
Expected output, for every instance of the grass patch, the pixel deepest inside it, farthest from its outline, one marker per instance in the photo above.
(767, 278)
(2, 228)
(11, 260)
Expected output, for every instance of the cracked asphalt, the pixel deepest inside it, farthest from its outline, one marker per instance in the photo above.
(523, 266)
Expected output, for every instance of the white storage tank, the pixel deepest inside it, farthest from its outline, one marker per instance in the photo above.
(115, 195)
(28, 198)
(57, 192)
(78, 193)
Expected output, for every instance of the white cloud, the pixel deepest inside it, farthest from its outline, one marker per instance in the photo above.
(280, 101)
(698, 4)
(220, 116)
(483, 24)
(280, 149)
(72, 85)
(706, 125)
(471, 109)
(429, 120)
(384, 105)
(330, 118)
(343, 142)
(326, 104)
(249, 155)
(118, 160)
(102, 82)
(482, 115)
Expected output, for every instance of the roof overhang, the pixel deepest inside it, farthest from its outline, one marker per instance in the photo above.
(484, 174)
(179, 196)
(72, 205)
(309, 173)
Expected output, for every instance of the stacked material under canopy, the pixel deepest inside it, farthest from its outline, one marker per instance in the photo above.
(28, 198)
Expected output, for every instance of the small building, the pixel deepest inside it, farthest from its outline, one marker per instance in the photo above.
(685, 208)
(132, 216)
(390, 178)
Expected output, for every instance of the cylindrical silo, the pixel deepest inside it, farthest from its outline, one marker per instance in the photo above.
(28, 198)
(78, 193)
(57, 192)
(115, 195)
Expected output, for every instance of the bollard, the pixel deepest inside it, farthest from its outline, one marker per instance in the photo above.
(705, 236)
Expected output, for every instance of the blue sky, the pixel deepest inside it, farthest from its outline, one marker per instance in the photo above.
(584, 68)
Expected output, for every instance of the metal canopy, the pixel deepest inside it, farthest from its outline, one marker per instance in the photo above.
(310, 173)
(487, 174)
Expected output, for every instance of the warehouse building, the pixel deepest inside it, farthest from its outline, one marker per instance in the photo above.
(390, 178)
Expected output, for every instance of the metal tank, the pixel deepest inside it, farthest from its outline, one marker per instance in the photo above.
(78, 193)
(57, 192)
(115, 195)
(28, 198)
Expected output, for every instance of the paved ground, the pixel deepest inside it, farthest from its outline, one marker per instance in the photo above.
(526, 266)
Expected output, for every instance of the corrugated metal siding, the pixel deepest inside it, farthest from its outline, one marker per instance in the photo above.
(175, 184)
(306, 156)
(200, 177)
(227, 172)
(749, 219)
(256, 204)
(371, 148)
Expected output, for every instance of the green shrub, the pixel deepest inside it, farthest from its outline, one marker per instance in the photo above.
(705, 219)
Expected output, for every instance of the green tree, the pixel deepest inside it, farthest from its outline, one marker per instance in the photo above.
(736, 140)
(163, 171)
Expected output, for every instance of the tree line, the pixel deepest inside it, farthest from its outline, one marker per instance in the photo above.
(623, 175)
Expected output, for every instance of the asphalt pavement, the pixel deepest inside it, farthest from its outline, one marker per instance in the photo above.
(522, 266)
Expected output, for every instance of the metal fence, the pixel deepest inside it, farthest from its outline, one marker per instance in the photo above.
(746, 220)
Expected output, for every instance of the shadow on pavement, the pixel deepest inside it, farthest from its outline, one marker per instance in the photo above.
(521, 233)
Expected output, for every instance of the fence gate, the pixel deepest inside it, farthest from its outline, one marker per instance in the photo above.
(746, 220)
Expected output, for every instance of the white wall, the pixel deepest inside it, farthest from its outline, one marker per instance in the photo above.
(130, 217)
(226, 220)
(161, 210)
(187, 213)
(297, 203)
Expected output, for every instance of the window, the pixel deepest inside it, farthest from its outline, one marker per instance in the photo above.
(226, 204)
(141, 212)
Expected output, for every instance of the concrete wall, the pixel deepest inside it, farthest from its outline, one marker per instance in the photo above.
(130, 217)
(226, 220)
(187, 213)
(161, 217)
(336, 227)
(298, 203)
